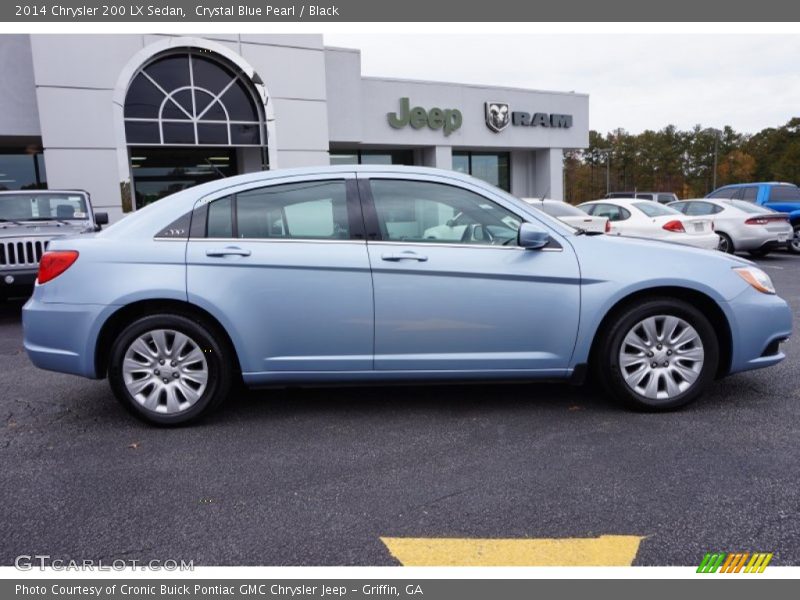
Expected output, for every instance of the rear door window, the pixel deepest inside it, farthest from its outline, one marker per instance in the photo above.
(749, 194)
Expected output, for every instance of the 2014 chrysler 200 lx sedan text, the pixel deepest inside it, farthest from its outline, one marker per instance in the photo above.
(332, 275)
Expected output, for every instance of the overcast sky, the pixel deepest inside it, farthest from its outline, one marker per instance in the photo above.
(636, 82)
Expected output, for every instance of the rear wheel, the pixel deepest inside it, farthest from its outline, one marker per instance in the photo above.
(725, 243)
(794, 244)
(759, 253)
(169, 369)
(658, 356)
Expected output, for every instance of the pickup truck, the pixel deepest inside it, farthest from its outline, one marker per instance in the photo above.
(29, 220)
(783, 197)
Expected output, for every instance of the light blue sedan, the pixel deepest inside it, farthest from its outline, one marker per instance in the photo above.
(386, 274)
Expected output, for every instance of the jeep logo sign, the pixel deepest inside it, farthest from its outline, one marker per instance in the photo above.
(497, 118)
(446, 119)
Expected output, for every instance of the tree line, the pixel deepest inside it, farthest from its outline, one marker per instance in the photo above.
(671, 160)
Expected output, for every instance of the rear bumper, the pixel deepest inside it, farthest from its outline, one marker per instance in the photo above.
(758, 323)
(62, 337)
(760, 238)
(707, 241)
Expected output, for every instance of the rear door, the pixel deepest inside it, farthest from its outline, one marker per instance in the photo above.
(454, 292)
(284, 266)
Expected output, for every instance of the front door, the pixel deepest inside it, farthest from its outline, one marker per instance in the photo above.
(454, 292)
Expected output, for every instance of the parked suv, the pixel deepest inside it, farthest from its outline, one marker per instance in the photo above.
(29, 220)
(783, 197)
(660, 197)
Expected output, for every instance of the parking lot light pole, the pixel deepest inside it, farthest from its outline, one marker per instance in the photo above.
(608, 167)
(717, 133)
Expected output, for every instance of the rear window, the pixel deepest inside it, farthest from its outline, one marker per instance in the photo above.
(561, 209)
(784, 193)
(653, 209)
(747, 207)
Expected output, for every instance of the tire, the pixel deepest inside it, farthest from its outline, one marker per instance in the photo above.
(759, 253)
(725, 243)
(628, 326)
(163, 391)
(793, 245)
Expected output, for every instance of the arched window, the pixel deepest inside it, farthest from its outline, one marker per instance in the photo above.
(190, 97)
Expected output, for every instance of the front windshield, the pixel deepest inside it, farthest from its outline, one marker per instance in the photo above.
(654, 209)
(44, 206)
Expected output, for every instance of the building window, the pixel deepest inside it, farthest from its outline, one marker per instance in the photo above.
(492, 167)
(159, 172)
(192, 98)
(372, 157)
(22, 169)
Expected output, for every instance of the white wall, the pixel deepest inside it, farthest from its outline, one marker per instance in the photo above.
(18, 113)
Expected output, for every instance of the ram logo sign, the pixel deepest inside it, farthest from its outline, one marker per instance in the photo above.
(734, 562)
(499, 115)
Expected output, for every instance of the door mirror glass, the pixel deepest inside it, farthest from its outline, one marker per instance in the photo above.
(532, 237)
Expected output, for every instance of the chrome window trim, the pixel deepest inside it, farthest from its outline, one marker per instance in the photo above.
(457, 245)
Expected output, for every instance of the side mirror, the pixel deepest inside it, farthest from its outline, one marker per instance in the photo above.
(100, 219)
(531, 237)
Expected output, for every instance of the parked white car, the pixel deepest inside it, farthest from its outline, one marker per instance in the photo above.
(571, 215)
(632, 217)
(741, 226)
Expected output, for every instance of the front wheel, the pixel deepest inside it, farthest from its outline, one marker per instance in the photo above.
(658, 356)
(169, 369)
(794, 244)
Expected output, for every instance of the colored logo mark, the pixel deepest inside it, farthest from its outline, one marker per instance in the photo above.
(734, 562)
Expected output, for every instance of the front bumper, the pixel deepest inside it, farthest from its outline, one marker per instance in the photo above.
(63, 337)
(13, 280)
(759, 322)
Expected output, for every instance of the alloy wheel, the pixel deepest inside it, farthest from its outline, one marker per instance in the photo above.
(661, 357)
(165, 371)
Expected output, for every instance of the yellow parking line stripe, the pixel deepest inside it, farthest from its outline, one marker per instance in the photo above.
(603, 551)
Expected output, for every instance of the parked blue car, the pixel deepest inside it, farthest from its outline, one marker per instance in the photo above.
(783, 197)
(386, 274)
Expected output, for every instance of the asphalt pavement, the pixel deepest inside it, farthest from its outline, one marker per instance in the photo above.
(319, 476)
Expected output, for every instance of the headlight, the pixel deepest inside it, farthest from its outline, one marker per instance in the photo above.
(757, 278)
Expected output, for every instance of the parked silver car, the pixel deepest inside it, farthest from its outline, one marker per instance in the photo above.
(29, 220)
(742, 226)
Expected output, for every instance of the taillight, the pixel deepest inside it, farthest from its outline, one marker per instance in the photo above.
(608, 226)
(757, 221)
(55, 263)
(675, 226)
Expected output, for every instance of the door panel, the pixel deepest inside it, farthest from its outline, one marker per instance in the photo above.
(467, 304)
(291, 303)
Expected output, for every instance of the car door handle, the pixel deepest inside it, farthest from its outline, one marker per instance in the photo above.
(227, 251)
(404, 256)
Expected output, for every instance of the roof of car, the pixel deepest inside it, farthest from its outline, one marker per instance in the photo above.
(17, 192)
(620, 201)
(738, 185)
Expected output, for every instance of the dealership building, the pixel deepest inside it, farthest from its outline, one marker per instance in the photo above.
(133, 118)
